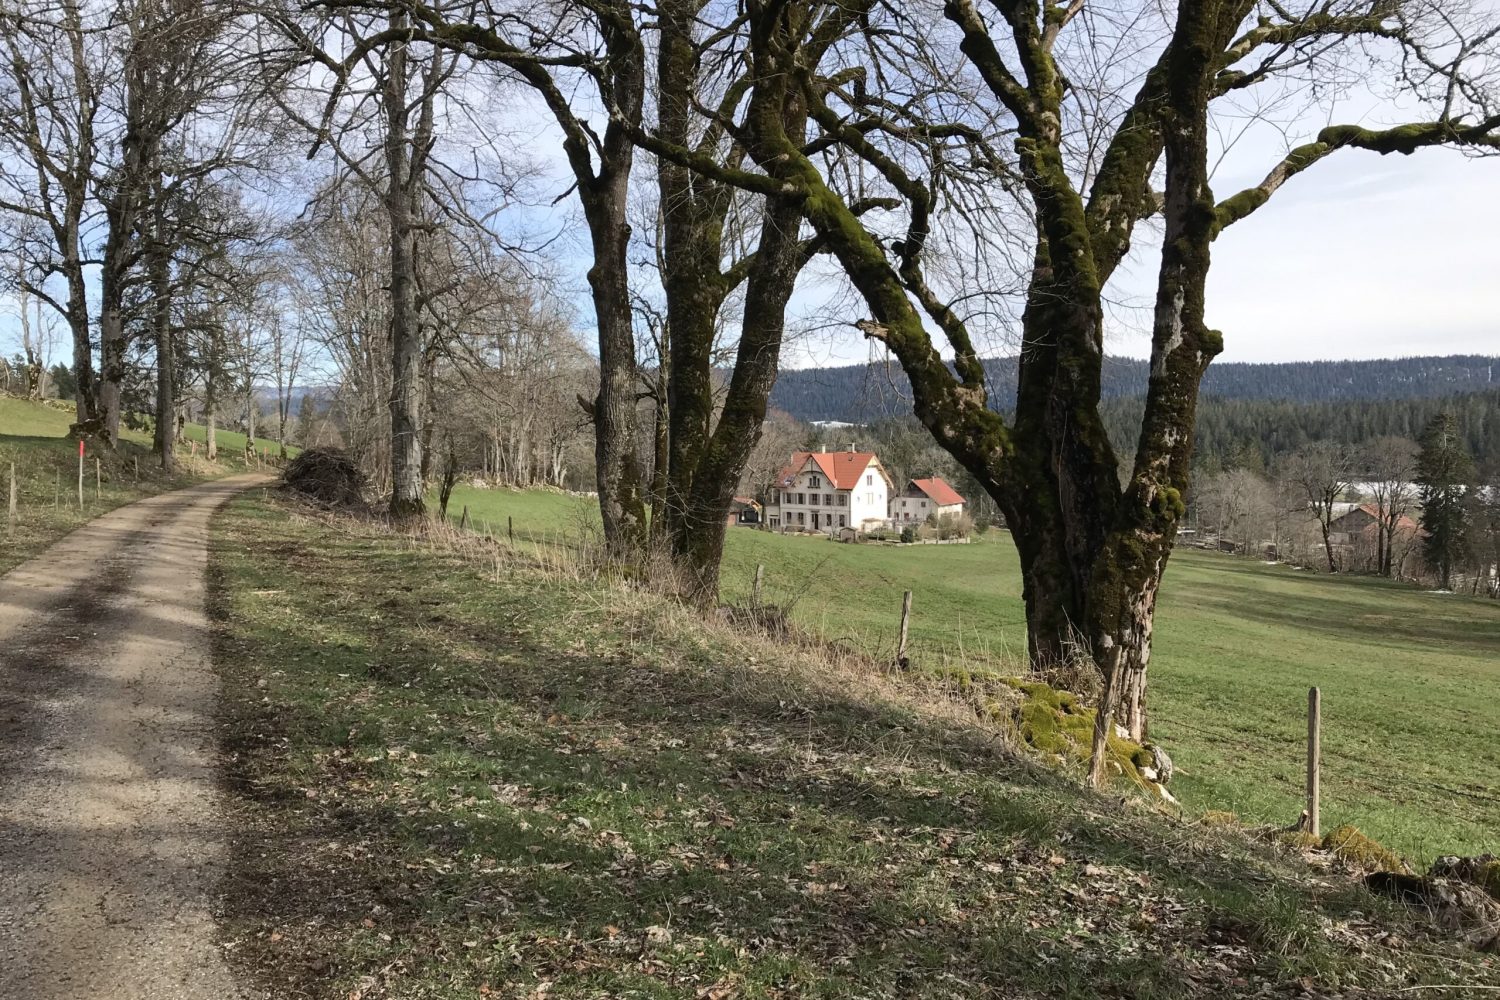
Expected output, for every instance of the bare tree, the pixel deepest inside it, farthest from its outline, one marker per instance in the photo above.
(552, 54)
(49, 105)
(1320, 474)
(1084, 172)
(1389, 465)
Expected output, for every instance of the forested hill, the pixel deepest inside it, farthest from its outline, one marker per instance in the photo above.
(861, 393)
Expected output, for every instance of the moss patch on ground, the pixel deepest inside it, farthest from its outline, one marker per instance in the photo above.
(1054, 722)
(1352, 847)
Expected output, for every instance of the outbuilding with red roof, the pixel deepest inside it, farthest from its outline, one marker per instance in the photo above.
(924, 498)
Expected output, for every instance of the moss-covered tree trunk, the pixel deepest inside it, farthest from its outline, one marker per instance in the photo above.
(1129, 567)
(706, 458)
(692, 211)
(622, 504)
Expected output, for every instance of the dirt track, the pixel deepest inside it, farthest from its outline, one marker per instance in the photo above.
(109, 841)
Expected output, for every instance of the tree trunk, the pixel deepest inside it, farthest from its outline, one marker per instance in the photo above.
(404, 171)
(112, 344)
(699, 549)
(1128, 572)
(165, 441)
(661, 439)
(83, 356)
(622, 505)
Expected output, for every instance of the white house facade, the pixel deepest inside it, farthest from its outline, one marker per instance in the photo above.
(924, 498)
(824, 491)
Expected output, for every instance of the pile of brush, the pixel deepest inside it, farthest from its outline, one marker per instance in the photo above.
(328, 477)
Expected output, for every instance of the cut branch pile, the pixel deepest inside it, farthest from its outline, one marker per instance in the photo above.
(327, 476)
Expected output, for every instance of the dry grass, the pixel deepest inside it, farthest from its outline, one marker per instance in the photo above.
(465, 768)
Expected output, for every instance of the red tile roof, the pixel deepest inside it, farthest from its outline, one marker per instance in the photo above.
(1403, 523)
(938, 491)
(843, 468)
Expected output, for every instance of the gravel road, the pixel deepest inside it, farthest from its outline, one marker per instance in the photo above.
(110, 843)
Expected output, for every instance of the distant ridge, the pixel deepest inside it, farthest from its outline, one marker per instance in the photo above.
(860, 393)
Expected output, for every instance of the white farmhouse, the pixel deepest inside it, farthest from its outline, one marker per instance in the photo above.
(922, 499)
(824, 491)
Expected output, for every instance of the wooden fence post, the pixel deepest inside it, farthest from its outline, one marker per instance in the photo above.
(463, 522)
(135, 460)
(80, 475)
(760, 574)
(11, 519)
(510, 527)
(98, 490)
(1314, 757)
(901, 659)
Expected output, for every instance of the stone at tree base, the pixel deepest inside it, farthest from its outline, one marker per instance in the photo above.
(1160, 762)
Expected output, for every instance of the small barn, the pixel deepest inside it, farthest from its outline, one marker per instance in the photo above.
(744, 510)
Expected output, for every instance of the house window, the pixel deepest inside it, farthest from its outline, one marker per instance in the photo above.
(841, 521)
(801, 517)
(843, 499)
(778, 496)
(870, 480)
(813, 499)
(827, 499)
(814, 481)
(802, 498)
(924, 504)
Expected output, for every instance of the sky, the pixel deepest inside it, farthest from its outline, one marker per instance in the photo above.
(1361, 256)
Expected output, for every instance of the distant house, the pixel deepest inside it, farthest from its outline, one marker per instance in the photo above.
(924, 498)
(824, 491)
(744, 510)
(1362, 523)
(1356, 539)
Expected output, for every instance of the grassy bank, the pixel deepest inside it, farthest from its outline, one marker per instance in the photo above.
(34, 438)
(463, 777)
(1410, 680)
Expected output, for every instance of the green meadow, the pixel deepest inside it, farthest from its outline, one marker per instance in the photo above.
(33, 440)
(1410, 680)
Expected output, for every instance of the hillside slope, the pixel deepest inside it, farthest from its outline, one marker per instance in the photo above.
(860, 393)
(33, 438)
(461, 775)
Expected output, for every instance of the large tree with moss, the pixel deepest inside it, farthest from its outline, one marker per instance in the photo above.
(1094, 528)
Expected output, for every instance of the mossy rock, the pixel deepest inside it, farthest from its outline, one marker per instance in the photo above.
(1298, 840)
(1354, 848)
(1054, 722)
(1220, 817)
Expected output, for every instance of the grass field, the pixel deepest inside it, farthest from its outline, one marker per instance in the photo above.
(457, 775)
(34, 438)
(1410, 680)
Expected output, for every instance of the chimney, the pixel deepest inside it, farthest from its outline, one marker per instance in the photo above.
(851, 447)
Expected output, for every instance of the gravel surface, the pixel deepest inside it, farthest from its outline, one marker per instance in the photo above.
(109, 826)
